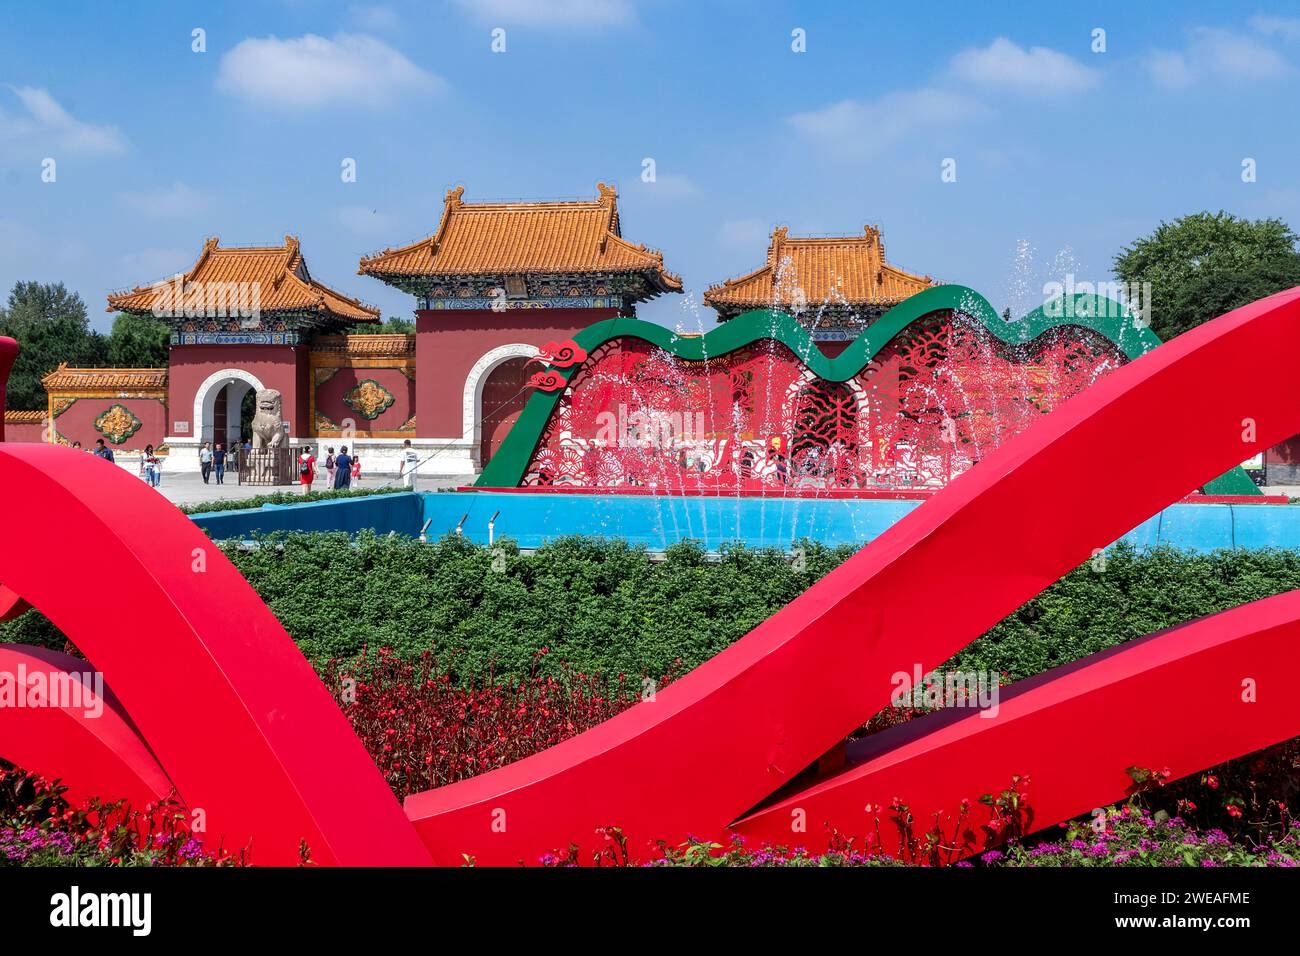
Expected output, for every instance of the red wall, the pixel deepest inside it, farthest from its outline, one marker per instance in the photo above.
(24, 432)
(77, 423)
(282, 367)
(447, 344)
(1284, 453)
(329, 398)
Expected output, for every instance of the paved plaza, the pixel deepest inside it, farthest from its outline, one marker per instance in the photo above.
(189, 488)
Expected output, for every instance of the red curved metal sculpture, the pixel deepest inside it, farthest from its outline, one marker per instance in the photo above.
(78, 733)
(11, 605)
(1183, 699)
(724, 737)
(717, 743)
(229, 706)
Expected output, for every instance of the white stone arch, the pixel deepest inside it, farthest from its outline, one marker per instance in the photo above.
(472, 407)
(205, 399)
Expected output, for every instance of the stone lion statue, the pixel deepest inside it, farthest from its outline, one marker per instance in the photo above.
(268, 422)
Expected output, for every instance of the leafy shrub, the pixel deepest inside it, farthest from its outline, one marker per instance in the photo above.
(423, 731)
(283, 498)
(604, 606)
(1135, 592)
(596, 606)
(1127, 836)
(38, 827)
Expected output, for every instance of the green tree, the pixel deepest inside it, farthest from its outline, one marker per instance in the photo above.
(138, 341)
(1205, 264)
(389, 326)
(51, 326)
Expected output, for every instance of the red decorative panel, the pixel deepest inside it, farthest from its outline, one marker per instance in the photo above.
(926, 408)
(125, 424)
(387, 394)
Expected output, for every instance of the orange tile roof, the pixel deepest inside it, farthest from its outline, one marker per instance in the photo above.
(396, 343)
(75, 379)
(834, 271)
(13, 417)
(279, 272)
(502, 238)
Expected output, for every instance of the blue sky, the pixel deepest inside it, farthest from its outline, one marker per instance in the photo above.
(1061, 151)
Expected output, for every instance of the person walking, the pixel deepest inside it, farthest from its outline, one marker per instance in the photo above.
(103, 451)
(219, 463)
(343, 469)
(356, 469)
(306, 469)
(406, 467)
(205, 461)
(330, 468)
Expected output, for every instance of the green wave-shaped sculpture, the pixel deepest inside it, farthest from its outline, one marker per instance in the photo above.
(1099, 314)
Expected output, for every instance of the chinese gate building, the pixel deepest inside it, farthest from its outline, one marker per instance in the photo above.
(515, 372)
(835, 286)
(492, 284)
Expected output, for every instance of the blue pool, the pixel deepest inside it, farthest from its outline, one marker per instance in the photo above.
(659, 521)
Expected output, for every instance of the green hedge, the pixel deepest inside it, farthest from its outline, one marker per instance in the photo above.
(283, 498)
(605, 606)
(594, 605)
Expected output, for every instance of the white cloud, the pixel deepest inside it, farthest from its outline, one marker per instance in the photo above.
(1169, 69)
(750, 234)
(311, 71)
(168, 202)
(1288, 28)
(1228, 54)
(44, 127)
(857, 128)
(379, 19)
(591, 13)
(670, 186)
(366, 221)
(1214, 53)
(866, 127)
(1036, 71)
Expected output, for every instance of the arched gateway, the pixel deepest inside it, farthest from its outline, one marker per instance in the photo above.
(242, 318)
(496, 282)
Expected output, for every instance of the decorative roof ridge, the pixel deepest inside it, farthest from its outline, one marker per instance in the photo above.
(746, 277)
(387, 343)
(324, 293)
(781, 240)
(157, 377)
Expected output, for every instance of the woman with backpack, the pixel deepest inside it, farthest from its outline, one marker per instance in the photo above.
(329, 468)
(306, 469)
